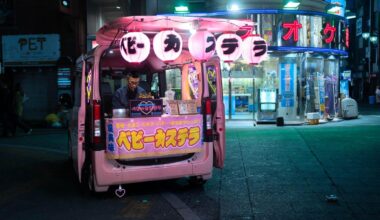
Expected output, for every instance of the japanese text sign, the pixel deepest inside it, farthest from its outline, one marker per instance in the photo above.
(135, 47)
(167, 45)
(254, 49)
(144, 137)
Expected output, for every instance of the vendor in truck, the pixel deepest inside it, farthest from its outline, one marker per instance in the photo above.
(131, 91)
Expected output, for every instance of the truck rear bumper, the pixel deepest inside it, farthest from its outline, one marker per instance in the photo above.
(108, 172)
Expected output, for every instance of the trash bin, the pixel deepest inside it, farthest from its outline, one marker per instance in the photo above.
(280, 121)
(372, 99)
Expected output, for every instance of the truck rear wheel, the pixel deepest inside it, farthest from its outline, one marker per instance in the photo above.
(87, 183)
(197, 181)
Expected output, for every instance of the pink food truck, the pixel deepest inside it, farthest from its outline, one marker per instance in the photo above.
(174, 125)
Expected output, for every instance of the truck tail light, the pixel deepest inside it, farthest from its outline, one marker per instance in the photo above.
(97, 127)
(208, 113)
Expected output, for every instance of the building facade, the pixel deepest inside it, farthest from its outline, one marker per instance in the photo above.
(38, 41)
(307, 56)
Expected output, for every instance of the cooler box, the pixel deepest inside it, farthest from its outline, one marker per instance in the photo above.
(349, 108)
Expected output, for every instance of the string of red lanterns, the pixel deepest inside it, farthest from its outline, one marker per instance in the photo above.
(167, 46)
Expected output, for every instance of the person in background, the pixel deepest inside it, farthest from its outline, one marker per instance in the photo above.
(377, 93)
(5, 100)
(129, 92)
(17, 110)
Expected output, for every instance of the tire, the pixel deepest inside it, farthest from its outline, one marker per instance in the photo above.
(87, 183)
(196, 181)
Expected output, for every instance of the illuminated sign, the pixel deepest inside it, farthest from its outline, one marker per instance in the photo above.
(144, 137)
(134, 47)
(228, 47)
(293, 30)
(167, 45)
(330, 32)
(145, 107)
(254, 49)
(202, 45)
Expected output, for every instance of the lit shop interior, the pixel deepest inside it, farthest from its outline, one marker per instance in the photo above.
(297, 77)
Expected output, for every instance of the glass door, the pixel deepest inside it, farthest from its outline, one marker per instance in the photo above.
(238, 87)
(242, 96)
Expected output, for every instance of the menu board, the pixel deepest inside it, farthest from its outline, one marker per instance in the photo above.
(186, 107)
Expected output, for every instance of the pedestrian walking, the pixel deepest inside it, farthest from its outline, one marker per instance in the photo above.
(377, 93)
(17, 110)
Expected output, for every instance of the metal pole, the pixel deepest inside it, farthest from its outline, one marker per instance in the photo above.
(369, 42)
(229, 94)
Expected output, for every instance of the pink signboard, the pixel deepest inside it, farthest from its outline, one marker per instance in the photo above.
(149, 137)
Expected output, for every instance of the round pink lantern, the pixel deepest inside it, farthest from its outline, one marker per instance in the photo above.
(202, 45)
(167, 45)
(228, 47)
(255, 49)
(134, 47)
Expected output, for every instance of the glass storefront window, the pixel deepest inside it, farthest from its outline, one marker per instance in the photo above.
(238, 89)
(331, 69)
(267, 28)
(266, 89)
(304, 33)
(315, 31)
(287, 85)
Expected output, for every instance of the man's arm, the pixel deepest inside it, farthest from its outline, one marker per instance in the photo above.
(140, 90)
(117, 99)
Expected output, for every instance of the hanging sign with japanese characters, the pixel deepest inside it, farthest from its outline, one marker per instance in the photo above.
(228, 47)
(254, 49)
(202, 45)
(167, 45)
(135, 47)
(144, 137)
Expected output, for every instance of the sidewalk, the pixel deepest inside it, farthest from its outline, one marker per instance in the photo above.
(368, 115)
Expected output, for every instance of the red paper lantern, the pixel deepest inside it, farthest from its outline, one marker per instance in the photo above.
(202, 45)
(254, 49)
(228, 47)
(167, 45)
(134, 47)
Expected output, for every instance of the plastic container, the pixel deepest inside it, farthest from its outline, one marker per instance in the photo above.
(372, 99)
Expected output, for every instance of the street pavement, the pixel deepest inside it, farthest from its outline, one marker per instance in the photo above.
(326, 171)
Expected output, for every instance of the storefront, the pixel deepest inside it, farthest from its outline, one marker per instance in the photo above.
(301, 73)
(31, 60)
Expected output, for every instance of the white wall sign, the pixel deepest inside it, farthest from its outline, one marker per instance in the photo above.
(24, 50)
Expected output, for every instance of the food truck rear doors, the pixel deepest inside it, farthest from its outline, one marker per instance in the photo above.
(214, 88)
